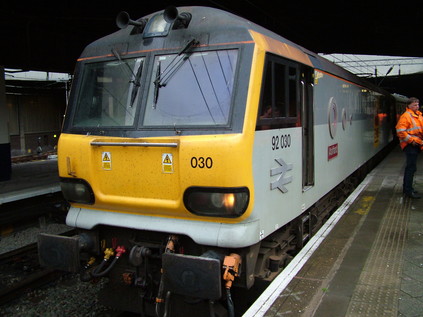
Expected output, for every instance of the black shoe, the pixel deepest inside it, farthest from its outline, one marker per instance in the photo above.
(413, 191)
(413, 195)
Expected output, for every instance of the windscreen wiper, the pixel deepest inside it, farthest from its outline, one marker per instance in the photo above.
(136, 83)
(162, 79)
(157, 85)
(136, 80)
(117, 55)
(188, 46)
(173, 67)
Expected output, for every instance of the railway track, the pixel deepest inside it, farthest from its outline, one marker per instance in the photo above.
(20, 272)
(26, 289)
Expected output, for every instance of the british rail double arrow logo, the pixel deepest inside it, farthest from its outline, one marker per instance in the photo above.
(282, 180)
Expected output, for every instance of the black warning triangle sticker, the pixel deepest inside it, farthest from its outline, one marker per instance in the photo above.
(167, 160)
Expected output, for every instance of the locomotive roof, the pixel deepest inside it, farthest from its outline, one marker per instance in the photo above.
(214, 26)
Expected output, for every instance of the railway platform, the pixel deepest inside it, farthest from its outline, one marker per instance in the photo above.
(366, 261)
(30, 179)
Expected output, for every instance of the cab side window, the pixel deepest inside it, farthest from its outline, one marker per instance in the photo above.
(279, 103)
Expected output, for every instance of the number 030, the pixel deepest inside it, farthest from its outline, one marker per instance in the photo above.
(201, 162)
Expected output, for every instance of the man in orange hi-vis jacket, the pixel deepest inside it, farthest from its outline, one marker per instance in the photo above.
(410, 134)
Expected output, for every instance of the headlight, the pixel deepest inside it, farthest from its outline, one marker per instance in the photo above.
(217, 202)
(77, 190)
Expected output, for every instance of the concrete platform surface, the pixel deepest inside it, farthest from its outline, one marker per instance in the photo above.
(30, 179)
(371, 261)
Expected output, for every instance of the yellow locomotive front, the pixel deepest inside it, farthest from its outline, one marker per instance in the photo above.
(155, 158)
(156, 134)
(143, 147)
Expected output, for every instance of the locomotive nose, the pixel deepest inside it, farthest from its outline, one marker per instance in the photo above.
(143, 174)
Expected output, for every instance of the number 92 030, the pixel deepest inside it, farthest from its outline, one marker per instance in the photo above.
(281, 141)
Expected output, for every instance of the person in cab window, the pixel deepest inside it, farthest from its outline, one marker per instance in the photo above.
(267, 114)
(409, 129)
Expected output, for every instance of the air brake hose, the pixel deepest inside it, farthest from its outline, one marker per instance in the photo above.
(85, 275)
(231, 310)
(170, 248)
(159, 298)
(108, 253)
(231, 265)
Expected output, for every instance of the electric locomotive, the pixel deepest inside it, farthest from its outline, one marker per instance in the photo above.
(198, 152)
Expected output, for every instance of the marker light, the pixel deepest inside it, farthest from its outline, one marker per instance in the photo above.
(217, 202)
(77, 191)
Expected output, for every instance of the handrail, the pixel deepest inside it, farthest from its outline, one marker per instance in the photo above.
(141, 144)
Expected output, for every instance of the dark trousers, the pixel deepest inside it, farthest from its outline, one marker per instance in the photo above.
(411, 154)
